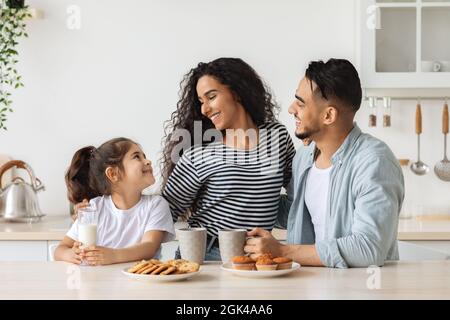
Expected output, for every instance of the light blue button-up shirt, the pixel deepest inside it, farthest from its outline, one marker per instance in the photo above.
(364, 200)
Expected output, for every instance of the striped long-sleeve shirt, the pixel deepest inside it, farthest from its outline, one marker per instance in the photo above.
(232, 188)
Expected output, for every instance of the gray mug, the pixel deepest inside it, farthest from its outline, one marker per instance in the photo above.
(192, 243)
(231, 243)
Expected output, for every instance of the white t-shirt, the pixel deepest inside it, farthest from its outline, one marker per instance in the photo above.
(123, 228)
(316, 198)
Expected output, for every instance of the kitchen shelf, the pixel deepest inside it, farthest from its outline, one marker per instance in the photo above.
(404, 45)
(412, 4)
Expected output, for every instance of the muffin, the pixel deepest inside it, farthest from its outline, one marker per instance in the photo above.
(265, 264)
(283, 263)
(264, 256)
(243, 263)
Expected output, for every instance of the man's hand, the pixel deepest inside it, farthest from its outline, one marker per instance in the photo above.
(263, 242)
(96, 255)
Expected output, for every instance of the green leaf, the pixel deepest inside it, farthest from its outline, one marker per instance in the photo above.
(12, 28)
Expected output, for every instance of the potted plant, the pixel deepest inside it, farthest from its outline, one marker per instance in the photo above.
(12, 27)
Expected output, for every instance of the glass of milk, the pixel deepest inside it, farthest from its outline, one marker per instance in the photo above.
(87, 226)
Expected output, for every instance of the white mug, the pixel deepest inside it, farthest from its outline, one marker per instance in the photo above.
(431, 66)
(436, 66)
(192, 242)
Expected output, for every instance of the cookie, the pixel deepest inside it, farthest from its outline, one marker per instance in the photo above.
(155, 261)
(138, 266)
(160, 268)
(176, 262)
(140, 271)
(169, 271)
(188, 267)
(150, 269)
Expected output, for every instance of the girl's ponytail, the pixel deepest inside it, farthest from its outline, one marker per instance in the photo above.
(78, 181)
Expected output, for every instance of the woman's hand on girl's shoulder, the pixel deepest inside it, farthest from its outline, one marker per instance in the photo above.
(78, 206)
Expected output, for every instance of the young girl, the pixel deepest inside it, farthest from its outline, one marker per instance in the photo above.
(130, 226)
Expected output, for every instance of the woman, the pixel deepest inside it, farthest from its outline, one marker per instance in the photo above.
(234, 180)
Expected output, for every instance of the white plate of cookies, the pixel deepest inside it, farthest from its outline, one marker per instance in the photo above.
(157, 271)
(264, 267)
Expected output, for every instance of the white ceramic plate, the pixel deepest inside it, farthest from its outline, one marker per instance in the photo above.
(159, 278)
(259, 274)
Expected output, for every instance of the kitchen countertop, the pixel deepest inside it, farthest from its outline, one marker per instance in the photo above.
(60, 280)
(49, 228)
(55, 227)
(413, 229)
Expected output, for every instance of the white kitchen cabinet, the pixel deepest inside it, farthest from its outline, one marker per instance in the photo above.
(404, 44)
(51, 246)
(23, 250)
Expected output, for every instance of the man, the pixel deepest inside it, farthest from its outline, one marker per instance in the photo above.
(342, 205)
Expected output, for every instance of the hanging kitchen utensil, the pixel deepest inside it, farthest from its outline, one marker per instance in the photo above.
(373, 112)
(387, 112)
(442, 168)
(419, 167)
(18, 200)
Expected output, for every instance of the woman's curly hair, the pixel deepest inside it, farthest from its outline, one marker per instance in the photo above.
(240, 78)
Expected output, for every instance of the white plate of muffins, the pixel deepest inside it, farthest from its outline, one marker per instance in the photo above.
(264, 267)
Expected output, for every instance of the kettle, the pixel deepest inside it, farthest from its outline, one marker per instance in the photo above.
(18, 200)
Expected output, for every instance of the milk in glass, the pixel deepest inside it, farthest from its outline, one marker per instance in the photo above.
(87, 226)
(87, 234)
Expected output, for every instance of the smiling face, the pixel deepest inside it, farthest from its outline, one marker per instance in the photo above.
(307, 110)
(138, 172)
(219, 104)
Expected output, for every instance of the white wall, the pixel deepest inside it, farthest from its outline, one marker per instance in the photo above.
(119, 75)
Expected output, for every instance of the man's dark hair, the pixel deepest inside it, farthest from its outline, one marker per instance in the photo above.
(337, 79)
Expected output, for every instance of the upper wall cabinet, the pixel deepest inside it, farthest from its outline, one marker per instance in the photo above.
(404, 43)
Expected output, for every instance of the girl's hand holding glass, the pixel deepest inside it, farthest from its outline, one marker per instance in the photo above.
(74, 255)
(96, 255)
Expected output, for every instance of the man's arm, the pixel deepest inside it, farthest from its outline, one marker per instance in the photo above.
(306, 255)
(380, 194)
(264, 242)
(380, 190)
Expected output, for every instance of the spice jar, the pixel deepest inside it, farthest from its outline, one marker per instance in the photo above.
(373, 112)
(387, 112)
